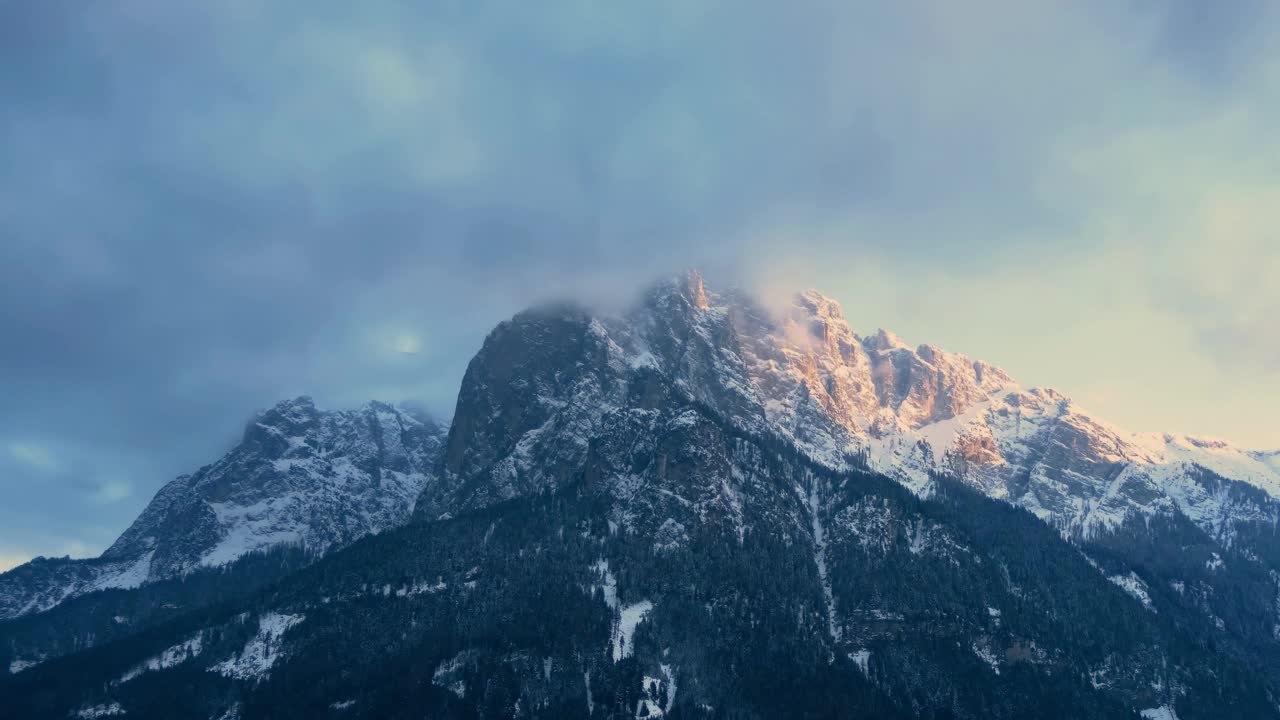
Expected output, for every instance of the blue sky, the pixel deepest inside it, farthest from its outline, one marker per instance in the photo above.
(206, 209)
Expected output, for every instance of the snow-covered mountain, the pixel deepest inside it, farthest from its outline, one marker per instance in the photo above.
(805, 375)
(547, 380)
(699, 508)
(299, 476)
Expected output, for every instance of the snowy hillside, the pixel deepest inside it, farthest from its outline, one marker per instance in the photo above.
(299, 476)
(805, 375)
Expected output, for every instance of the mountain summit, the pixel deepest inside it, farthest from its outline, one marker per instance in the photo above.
(805, 375)
(299, 476)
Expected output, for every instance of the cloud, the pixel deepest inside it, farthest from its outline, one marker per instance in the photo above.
(112, 491)
(205, 209)
(33, 455)
(1188, 211)
(408, 344)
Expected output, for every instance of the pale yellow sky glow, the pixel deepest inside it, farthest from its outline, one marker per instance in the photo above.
(8, 561)
(1158, 311)
(1154, 298)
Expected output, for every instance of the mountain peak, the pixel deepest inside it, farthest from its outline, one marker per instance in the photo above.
(287, 418)
(695, 290)
(886, 340)
(687, 285)
(819, 305)
(303, 403)
(807, 377)
(300, 476)
(295, 410)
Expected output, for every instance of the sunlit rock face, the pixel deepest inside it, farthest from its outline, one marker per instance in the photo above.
(545, 383)
(299, 476)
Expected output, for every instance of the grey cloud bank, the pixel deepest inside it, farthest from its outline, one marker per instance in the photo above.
(203, 210)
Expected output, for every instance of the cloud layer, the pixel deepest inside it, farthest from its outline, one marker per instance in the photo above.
(203, 210)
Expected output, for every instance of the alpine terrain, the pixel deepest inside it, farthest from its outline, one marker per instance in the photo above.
(300, 477)
(698, 508)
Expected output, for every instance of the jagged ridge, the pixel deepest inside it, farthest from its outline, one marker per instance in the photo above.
(806, 375)
(298, 476)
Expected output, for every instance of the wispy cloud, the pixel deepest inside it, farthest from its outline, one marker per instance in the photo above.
(112, 491)
(33, 455)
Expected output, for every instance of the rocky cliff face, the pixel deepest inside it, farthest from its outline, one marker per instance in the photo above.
(299, 476)
(804, 375)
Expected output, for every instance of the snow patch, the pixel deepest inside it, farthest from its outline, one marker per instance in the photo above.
(446, 674)
(126, 577)
(1215, 455)
(625, 628)
(608, 585)
(17, 666)
(648, 706)
(249, 528)
(1133, 585)
(263, 649)
(422, 588)
(643, 360)
(669, 537)
(987, 655)
(820, 555)
(862, 658)
(1164, 712)
(99, 711)
(171, 657)
(669, 673)
(1214, 564)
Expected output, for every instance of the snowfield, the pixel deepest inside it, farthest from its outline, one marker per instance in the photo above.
(262, 651)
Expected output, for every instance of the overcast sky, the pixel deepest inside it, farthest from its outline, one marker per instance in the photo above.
(206, 209)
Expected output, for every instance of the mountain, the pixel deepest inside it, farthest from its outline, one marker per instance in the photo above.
(299, 476)
(686, 570)
(705, 508)
(805, 375)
